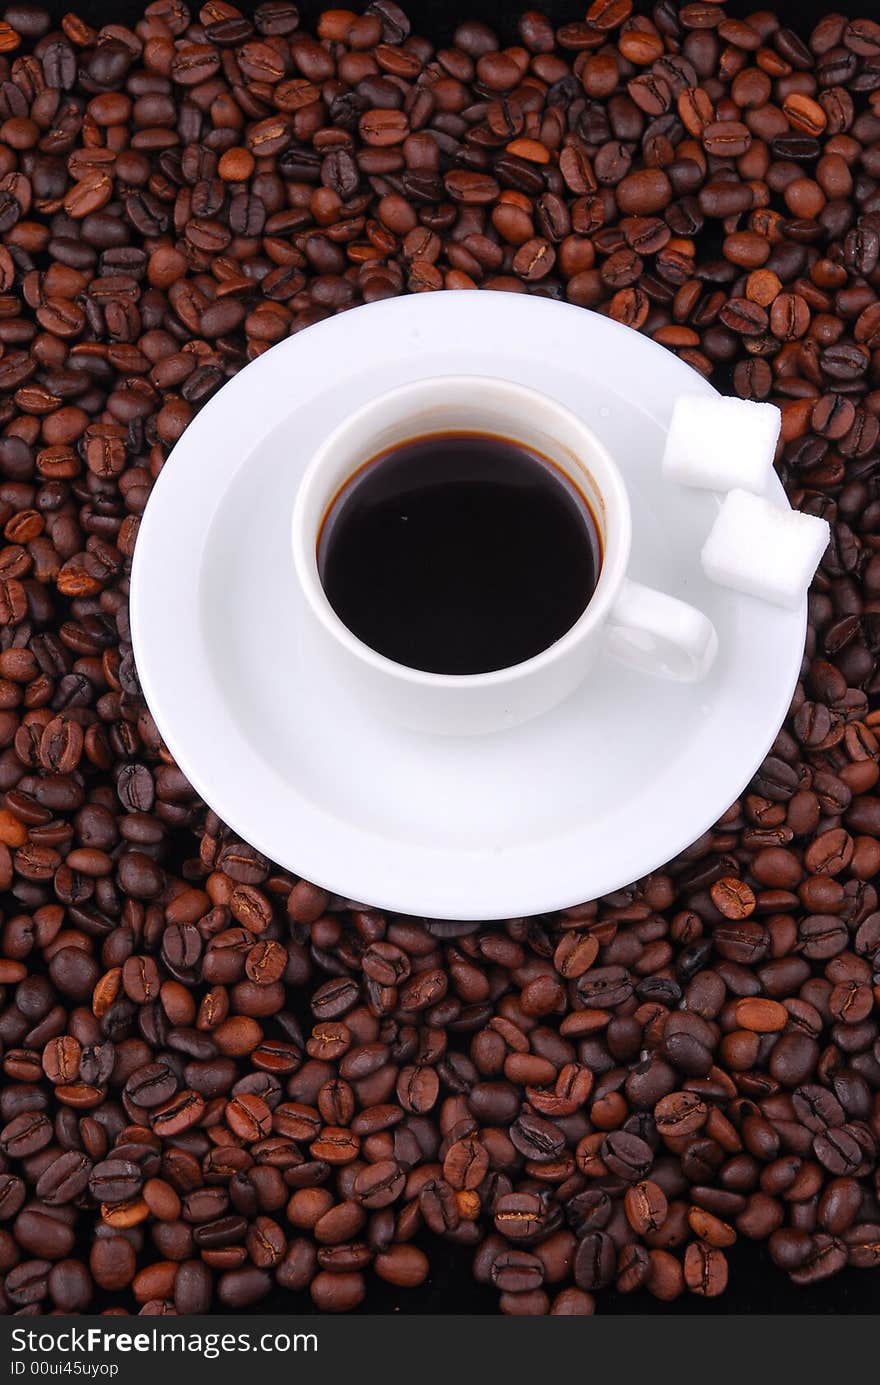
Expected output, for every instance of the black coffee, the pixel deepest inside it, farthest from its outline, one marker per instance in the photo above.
(459, 553)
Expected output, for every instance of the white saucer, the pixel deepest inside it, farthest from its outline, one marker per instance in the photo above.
(572, 806)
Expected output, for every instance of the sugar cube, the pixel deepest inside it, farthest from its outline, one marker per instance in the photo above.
(718, 442)
(758, 548)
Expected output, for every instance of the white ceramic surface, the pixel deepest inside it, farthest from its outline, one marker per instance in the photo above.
(654, 632)
(618, 779)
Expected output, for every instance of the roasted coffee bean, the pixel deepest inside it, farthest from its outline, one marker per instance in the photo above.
(838, 1150)
(705, 1269)
(826, 1256)
(590, 1211)
(604, 987)
(595, 1261)
(28, 1282)
(378, 1185)
(516, 1271)
(466, 1164)
(115, 1180)
(626, 1156)
(817, 1108)
(646, 1206)
(64, 1179)
(680, 1113)
(44, 1231)
(152, 1085)
(536, 1138)
(26, 1134)
(519, 1216)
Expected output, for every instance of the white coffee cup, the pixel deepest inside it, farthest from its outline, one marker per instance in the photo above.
(646, 628)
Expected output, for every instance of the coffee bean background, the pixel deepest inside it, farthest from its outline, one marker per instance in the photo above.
(222, 1085)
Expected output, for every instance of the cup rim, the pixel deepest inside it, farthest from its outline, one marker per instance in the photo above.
(615, 546)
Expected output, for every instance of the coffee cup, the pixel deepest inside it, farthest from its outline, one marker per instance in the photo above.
(656, 633)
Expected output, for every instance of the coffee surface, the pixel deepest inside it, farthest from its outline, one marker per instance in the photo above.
(459, 553)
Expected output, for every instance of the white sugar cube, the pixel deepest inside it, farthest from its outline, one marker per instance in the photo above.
(718, 442)
(758, 548)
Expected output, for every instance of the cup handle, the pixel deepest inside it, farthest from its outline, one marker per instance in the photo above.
(660, 634)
